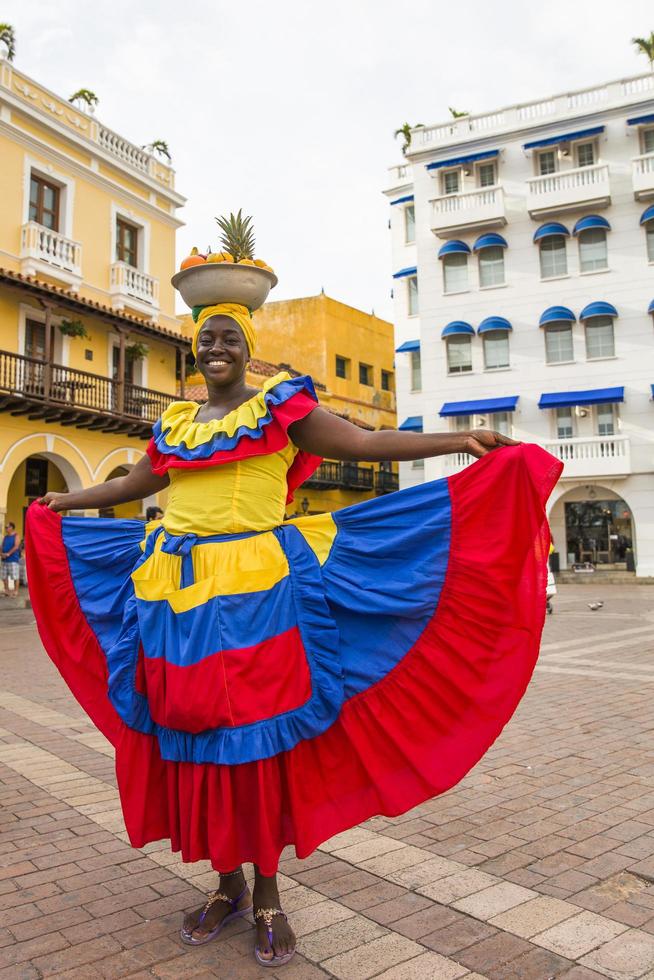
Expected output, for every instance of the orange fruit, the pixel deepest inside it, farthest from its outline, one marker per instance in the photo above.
(193, 259)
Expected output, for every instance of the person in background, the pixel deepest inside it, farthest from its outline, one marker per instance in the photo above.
(153, 514)
(10, 569)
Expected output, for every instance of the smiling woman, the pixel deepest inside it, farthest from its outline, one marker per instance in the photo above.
(267, 681)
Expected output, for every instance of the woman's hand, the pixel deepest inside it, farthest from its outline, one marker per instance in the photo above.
(478, 442)
(56, 501)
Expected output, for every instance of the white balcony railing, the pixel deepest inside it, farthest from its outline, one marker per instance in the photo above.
(43, 250)
(129, 284)
(470, 209)
(399, 175)
(569, 189)
(543, 110)
(594, 456)
(643, 175)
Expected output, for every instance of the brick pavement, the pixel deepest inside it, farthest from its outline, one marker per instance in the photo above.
(540, 864)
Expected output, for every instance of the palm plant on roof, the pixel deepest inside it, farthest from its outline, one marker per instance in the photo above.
(645, 45)
(160, 147)
(8, 38)
(85, 96)
(406, 132)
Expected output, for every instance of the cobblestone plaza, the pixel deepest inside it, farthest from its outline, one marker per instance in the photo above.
(540, 864)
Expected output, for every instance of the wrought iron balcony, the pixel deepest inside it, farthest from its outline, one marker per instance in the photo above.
(386, 482)
(54, 393)
(342, 476)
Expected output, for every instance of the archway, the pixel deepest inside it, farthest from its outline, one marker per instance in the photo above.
(593, 523)
(130, 510)
(32, 478)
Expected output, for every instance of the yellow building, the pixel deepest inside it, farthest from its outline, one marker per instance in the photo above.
(349, 355)
(90, 348)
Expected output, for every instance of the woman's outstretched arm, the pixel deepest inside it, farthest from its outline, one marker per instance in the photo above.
(138, 483)
(328, 435)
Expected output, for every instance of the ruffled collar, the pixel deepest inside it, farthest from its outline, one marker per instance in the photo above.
(177, 431)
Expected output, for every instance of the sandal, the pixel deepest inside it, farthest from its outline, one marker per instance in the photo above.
(267, 915)
(236, 913)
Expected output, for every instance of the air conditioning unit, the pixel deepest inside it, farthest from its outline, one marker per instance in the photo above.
(581, 412)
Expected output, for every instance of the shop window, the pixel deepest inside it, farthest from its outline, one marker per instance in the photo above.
(600, 341)
(496, 349)
(455, 272)
(558, 343)
(491, 266)
(36, 477)
(553, 257)
(459, 354)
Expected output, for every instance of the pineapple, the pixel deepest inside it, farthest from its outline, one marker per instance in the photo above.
(237, 236)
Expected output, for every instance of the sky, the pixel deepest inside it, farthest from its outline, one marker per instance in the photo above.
(287, 108)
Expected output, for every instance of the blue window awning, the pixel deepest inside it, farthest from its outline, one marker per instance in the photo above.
(647, 215)
(640, 120)
(411, 270)
(453, 246)
(579, 134)
(549, 229)
(457, 327)
(599, 308)
(591, 221)
(403, 200)
(480, 407)
(650, 308)
(461, 161)
(408, 345)
(494, 323)
(487, 241)
(596, 396)
(412, 424)
(556, 314)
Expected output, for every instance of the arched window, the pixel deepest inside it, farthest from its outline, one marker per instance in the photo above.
(553, 257)
(455, 272)
(491, 266)
(496, 349)
(558, 342)
(593, 252)
(600, 341)
(459, 354)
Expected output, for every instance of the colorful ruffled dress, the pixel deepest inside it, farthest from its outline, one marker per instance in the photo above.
(267, 681)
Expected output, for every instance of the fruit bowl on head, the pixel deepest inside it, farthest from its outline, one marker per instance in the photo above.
(224, 282)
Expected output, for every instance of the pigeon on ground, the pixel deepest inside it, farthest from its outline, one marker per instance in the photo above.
(595, 605)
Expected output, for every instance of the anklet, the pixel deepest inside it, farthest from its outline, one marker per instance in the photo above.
(230, 874)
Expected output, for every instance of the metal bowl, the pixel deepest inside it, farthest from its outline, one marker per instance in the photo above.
(224, 282)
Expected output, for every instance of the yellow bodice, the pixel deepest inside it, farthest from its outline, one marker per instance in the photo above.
(246, 495)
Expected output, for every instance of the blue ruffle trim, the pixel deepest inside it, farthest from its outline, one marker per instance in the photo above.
(220, 441)
(262, 739)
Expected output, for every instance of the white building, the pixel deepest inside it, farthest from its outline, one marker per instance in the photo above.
(523, 260)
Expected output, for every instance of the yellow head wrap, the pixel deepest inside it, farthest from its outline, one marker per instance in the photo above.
(240, 314)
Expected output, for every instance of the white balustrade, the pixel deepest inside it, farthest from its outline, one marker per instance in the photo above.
(40, 244)
(594, 456)
(130, 283)
(123, 149)
(470, 209)
(643, 175)
(569, 188)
